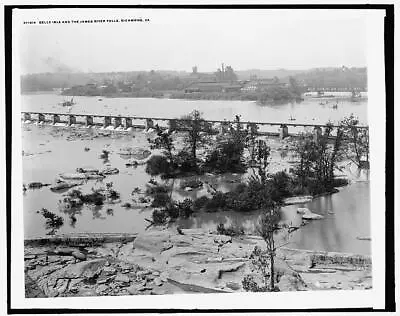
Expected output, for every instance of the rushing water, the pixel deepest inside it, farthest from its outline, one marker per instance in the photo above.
(47, 153)
(308, 111)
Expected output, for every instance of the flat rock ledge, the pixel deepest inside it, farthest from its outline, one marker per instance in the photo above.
(165, 262)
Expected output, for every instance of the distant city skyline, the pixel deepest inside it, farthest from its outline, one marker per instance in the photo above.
(177, 40)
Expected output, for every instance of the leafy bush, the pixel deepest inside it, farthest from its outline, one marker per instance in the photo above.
(95, 198)
(156, 189)
(160, 199)
(234, 230)
(159, 217)
(250, 285)
(227, 157)
(200, 202)
(185, 208)
(157, 165)
(53, 221)
(185, 162)
(217, 202)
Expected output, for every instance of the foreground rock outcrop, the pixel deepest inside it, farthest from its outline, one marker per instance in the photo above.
(165, 262)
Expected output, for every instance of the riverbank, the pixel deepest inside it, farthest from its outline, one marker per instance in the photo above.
(168, 262)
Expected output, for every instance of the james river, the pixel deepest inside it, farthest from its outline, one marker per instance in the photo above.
(49, 153)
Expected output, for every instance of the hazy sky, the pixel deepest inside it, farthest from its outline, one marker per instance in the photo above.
(179, 39)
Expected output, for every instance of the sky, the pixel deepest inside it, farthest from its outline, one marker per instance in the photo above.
(180, 39)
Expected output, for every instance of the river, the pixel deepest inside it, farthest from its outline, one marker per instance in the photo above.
(49, 153)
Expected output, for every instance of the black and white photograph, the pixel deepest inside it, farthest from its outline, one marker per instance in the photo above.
(234, 152)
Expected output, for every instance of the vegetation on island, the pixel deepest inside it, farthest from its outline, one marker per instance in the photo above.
(318, 157)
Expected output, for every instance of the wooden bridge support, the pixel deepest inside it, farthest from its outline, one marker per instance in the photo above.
(41, 117)
(117, 122)
(107, 121)
(71, 119)
(317, 133)
(128, 122)
(149, 123)
(56, 118)
(89, 120)
(284, 131)
(27, 116)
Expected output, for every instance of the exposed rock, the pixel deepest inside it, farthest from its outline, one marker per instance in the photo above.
(78, 255)
(108, 171)
(101, 288)
(308, 215)
(137, 153)
(62, 185)
(73, 176)
(87, 170)
(298, 200)
(197, 262)
(121, 278)
(233, 286)
(37, 185)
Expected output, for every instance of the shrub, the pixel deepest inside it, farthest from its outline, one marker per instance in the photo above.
(218, 201)
(233, 230)
(156, 189)
(160, 199)
(159, 217)
(227, 157)
(185, 162)
(95, 198)
(281, 186)
(53, 221)
(157, 165)
(200, 202)
(185, 208)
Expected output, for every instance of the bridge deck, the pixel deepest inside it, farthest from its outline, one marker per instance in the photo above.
(133, 117)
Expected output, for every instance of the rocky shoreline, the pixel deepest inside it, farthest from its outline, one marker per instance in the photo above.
(168, 262)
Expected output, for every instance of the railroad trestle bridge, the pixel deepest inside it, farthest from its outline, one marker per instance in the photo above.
(126, 122)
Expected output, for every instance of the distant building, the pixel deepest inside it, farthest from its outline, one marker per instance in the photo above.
(261, 85)
(213, 87)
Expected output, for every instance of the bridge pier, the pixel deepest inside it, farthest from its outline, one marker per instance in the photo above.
(27, 116)
(41, 117)
(172, 125)
(56, 118)
(117, 122)
(317, 133)
(284, 131)
(128, 122)
(71, 119)
(223, 128)
(89, 120)
(107, 121)
(149, 123)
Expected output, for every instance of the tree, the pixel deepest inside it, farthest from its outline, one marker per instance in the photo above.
(357, 141)
(318, 160)
(197, 134)
(164, 141)
(266, 228)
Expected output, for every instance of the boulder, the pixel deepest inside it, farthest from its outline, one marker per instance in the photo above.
(73, 176)
(137, 152)
(87, 170)
(108, 171)
(64, 185)
(121, 278)
(298, 200)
